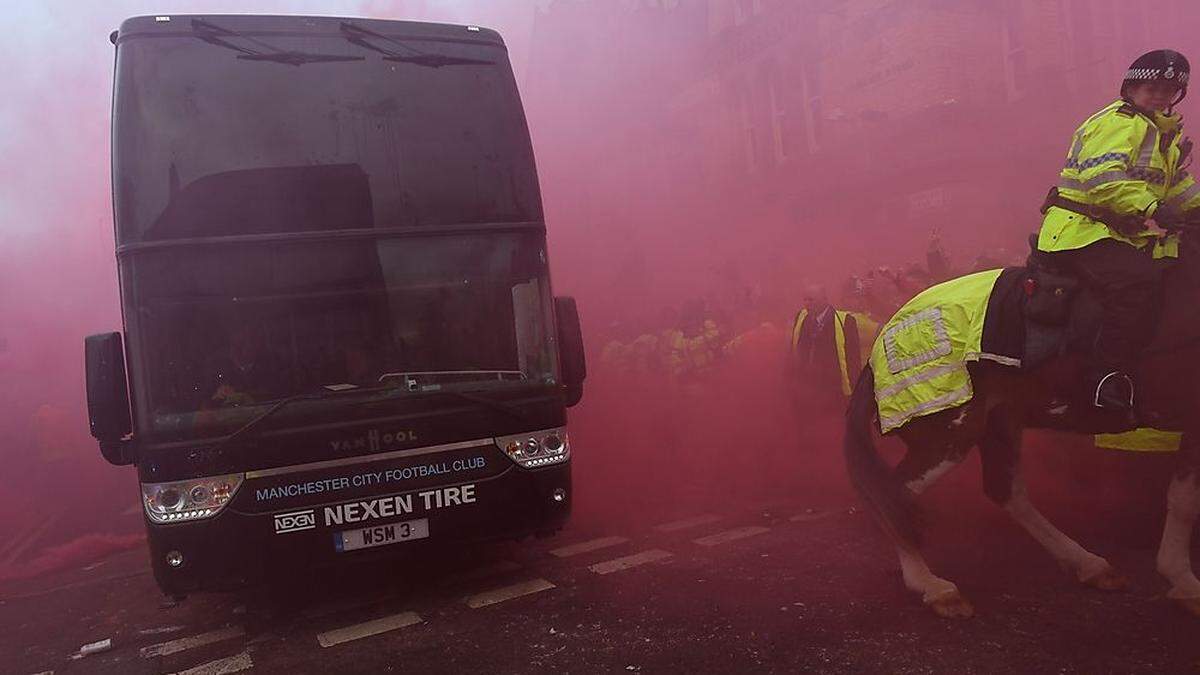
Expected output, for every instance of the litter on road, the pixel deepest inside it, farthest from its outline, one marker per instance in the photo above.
(96, 647)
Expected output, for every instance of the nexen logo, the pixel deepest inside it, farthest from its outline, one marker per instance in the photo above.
(295, 521)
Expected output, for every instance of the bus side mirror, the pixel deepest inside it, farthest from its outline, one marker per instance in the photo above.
(570, 348)
(108, 396)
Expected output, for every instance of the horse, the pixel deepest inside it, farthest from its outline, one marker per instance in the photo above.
(1006, 401)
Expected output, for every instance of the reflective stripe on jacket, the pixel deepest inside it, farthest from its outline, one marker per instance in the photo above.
(1126, 162)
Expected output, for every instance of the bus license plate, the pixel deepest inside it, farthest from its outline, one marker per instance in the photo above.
(381, 535)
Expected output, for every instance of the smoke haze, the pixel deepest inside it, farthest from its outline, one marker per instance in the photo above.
(700, 161)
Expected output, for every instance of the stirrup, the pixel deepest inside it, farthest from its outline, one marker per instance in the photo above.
(1118, 395)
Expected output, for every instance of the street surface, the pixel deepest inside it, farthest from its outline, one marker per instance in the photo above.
(796, 584)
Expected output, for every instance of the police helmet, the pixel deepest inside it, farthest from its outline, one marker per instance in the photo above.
(1160, 65)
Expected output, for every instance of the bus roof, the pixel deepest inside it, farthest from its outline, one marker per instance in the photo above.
(177, 25)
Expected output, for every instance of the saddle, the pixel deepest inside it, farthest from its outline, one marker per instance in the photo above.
(1037, 312)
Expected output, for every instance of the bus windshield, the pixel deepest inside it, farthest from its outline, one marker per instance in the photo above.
(228, 330)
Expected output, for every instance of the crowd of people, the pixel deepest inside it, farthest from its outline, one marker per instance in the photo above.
(825, 334)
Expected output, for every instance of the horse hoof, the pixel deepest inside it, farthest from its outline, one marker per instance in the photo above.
(1107, 579)
(952, 605)
(1189, 605)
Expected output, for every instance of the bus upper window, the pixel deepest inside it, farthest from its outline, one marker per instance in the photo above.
(263, 201)
(207, 143)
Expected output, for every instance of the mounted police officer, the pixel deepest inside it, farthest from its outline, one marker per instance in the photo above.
(1124, 176)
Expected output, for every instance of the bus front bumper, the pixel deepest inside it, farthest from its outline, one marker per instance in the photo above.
(235, 549)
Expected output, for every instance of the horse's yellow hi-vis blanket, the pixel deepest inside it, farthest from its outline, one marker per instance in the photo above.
(920, 357)
(1144, 439)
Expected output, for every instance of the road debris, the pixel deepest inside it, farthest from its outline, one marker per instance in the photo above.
(98, 647)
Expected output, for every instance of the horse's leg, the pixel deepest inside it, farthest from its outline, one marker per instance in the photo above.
(924, 463)
(1174, 554)
(1000, 451)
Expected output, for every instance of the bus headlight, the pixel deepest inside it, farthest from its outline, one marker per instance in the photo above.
(537, 448)
(189, 499)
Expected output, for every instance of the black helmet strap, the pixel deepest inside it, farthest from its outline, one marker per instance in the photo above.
(1178, 99)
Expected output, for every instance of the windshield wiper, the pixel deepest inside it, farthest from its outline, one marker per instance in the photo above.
(498, 406)
(438, 60)
(410, 383)
(358, 35)
(249, 427)
(410, 378)
(299, 58)
(215, 35)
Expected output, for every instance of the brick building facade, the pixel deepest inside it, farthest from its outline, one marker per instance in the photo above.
(885, 117)
(946, 113)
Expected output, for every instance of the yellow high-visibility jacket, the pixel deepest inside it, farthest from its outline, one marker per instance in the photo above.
(691, 355)
(848, 365)
(1129, 163)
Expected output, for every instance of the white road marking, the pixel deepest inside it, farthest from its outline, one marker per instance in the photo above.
(97, 647)
(368, 628)
(624, 563)
(684, 524)
(182, 644)
(161, 630)
(232, 664)
(731, 535)
(586, 546)
(508, 593)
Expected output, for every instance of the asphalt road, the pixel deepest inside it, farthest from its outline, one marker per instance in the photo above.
(803, 584)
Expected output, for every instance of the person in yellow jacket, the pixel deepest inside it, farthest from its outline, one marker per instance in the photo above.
(615, 356)
(830, 346)
(1123, 177)
(687, 354)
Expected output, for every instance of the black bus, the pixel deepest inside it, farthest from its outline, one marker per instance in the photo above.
(339, 331)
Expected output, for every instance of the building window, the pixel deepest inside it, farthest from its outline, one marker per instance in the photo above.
(1081, 29)
(780, 137)
(744, 9)
(1012, 41)
(813, 113)
(1131, 26)
(749, 132)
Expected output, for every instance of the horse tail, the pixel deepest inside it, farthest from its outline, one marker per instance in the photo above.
(872, 478)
